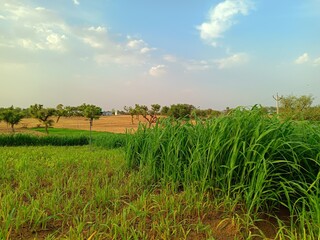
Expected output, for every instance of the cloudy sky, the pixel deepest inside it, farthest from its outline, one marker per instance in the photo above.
(209, 53)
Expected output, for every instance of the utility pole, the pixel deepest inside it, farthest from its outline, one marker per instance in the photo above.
(277, 98)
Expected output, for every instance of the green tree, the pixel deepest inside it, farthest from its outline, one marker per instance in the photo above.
(295, 107)
(181, 111)
(165, 110)
(12, 116)
(91, 112)
(131, 111)
(60, 112)
(150, 114)
(43, 115)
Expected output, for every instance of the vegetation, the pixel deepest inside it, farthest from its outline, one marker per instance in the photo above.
(42, 114)
(90, 112)
(32, 140)
(73, 193)
(12, 116)
(259, 164)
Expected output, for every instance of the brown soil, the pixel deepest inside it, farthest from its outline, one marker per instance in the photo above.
(116, 124)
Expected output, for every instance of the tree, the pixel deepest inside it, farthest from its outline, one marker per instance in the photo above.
(150, 115)
(90, 112)
(295, 107)
(165, 110)
(181, 111)
(60, 112)
(12, 116)
(42, 114)
(131, 111)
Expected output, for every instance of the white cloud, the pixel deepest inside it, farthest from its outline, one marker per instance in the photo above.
(92, 42)
(139, 45)
(316, 62)
(136, 43)
(146, 50)
(169, 58)
(221, 18)
(98, 29)
(75, 2)
(302, 59)
(2, 17)
(234, 60)
(158, 70)
(194, 65)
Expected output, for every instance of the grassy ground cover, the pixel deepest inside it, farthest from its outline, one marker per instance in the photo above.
(63, 137)
(260, 165)
(77, 193)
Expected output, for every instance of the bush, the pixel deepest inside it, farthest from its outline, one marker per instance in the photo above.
(31, 140)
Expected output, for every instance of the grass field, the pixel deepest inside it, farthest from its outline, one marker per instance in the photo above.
(115, 124)
(241, 176)
(75, 193)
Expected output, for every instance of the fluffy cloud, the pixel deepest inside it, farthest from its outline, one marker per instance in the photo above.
(158, 70)
(194, 65)
(33, 28)
(302, 59)
(234, 60)
(75, 2)
(138, 45)
(222, 17)
(98, 29)
(169, 58)
(316, 62)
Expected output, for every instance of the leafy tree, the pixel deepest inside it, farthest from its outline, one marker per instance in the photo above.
(181, 111)
(12, 116)
(150, 114)
(131, 111)
(165, 110)
(90, 112)
(60, 112)
(42, 114)
(295, 107)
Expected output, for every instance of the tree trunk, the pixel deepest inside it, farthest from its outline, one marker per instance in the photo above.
(12, 127)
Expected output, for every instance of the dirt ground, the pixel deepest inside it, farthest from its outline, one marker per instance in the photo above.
(116, 124)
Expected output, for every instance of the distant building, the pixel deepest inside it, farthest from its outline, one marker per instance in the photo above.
(106, 113)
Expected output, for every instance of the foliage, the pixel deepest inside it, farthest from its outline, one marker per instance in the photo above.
(42, 114)
(32, 140)
(295, 107)
(259, 162)
(101, 139)
(74, 193)
(181, 111)
(11, 116)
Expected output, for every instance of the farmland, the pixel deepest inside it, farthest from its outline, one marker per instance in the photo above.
(241, 176)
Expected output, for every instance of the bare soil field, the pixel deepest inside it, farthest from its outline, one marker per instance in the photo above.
(116, 124)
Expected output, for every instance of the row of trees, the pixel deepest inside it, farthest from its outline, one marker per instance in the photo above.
(298, 108)
(293, 107)
(13, 115)
(178, 111)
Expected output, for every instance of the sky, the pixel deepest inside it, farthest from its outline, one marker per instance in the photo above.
(210, 53)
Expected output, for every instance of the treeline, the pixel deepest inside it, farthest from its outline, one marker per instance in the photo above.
(292, 107)
(178, 111)
(13, 115)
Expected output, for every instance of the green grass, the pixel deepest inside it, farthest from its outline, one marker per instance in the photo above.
(77, 193)
(259, 164)
(64, 137)
(69, 132)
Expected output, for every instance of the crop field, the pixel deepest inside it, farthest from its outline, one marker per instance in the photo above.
(240, 176)
(116, 124)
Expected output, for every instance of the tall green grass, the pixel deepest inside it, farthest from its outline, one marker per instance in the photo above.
(102, 139)
(32, 140)
(64, 137)
(259, 162)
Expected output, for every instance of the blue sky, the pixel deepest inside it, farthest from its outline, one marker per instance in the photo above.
(212, 54)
